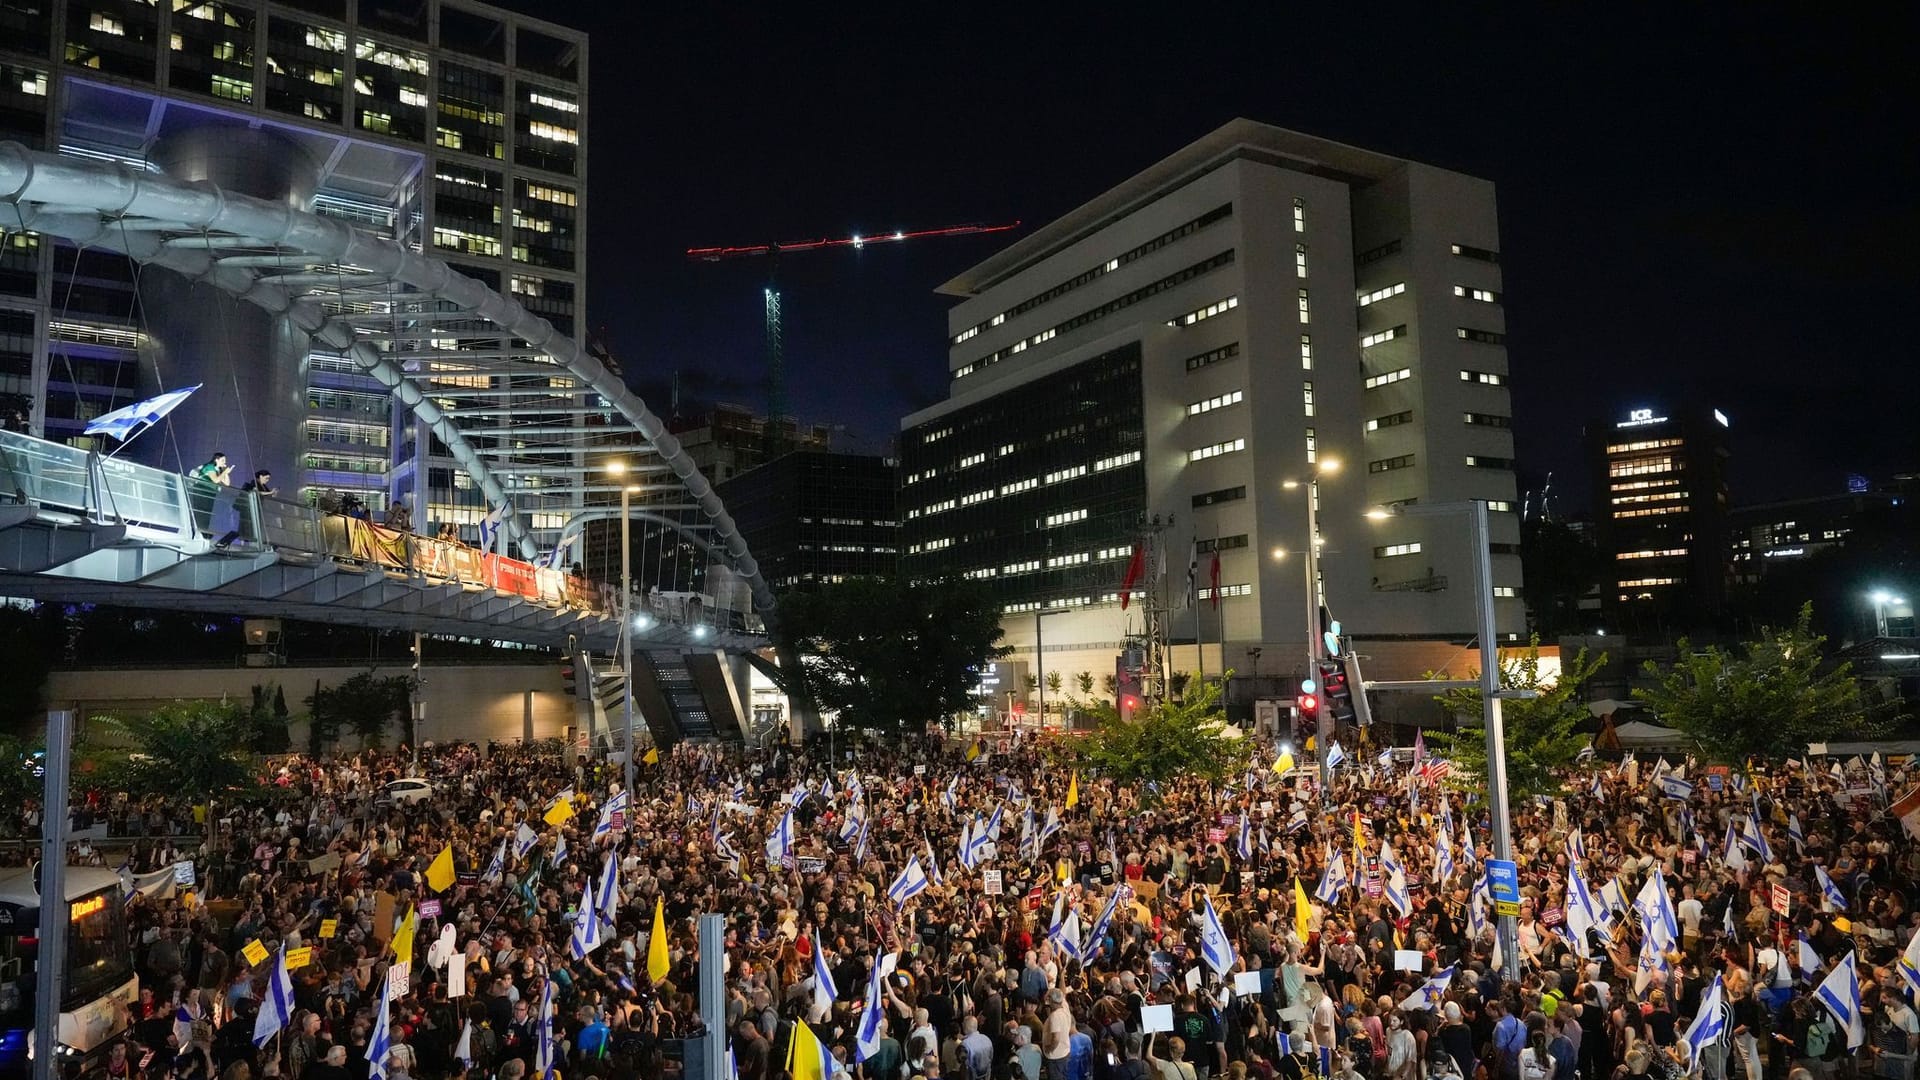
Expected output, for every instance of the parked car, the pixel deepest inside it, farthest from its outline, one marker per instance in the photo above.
(408, 791)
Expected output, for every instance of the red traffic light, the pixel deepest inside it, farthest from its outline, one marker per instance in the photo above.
(1308, 703)
(1132, 702)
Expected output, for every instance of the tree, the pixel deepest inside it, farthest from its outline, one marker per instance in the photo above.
(1165, 740)
(889, 655)
(1111, 684)
(191, 748)
(1542, 739)
(1768, 700)
(1084, 682)
(364, 704)
(267, 721)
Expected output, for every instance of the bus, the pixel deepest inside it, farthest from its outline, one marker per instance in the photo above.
(101, 987)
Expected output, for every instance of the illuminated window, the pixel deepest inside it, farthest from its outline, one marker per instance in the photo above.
(1242, 589)
(1066, 517)
(1075, 559)
(1390, 420)
(1071, 473)
(976, 497)
(1378, 295)
(1394, 550)
(1306, 352)
(552, 102)
(1116, 461)
(1640, 583)
(1484, 337)
(1484, 378)
(1229, 447)
(1648, 444)
(1481, 461)
(1028, 484)
(1505, 591)
(1212, 403)
(1481, 254)
(1300, 260)
(1313, 446)
(1302, 301)
(1499, 506)
(1488, 419)
(1402, 461)
(971, 460)
(1374, 382)
(1218, 307)
(1306, 395)
(1485, 296)
(1299, 215)
(106, 24)
(540, 129)
(1651, 511)
(1643, 467)
(1652, 553)
(1370, 340)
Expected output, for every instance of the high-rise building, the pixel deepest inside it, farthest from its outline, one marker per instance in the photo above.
(1660, 522)
(1767, 536)
(1259, 306)
(816, 516)
(456, 128)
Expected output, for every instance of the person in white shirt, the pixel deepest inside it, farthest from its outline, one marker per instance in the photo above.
(1690, 913)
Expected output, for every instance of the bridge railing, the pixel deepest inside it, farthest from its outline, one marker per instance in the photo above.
(198, 517)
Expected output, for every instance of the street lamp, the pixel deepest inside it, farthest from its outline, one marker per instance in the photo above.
(1490, 692)
(627, 621)
(1886, 607)
(1323, 730)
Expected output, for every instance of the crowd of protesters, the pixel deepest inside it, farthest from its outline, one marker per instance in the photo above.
(1025, 920)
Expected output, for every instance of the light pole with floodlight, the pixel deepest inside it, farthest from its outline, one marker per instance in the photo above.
(619, 468)
(1886, 608)
(1323, 729)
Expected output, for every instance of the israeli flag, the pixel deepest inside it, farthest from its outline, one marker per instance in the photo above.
(1214, 946)
(1909, 964)
(1335, 755)
(933, 864)
(1442, 858)
(1386, 757)
(1478, 901)
(603, 825)
(380, 1041)
(977, 847)
(1467, 850)
(1709, 1023)
(1796, 834)
(1397, 893)
(780, 844)
(1576, 849)
(1389, 858)
(1735, 859)
(1840, 993)
(851, 825)
(1333, 880)
(1099, 934)
(497, 868)
(1656, 912)
(1246, 837)
(860, 846)
(523, 840)
(911, 882)
(723, 847)
(1059, 919)
(952, 797)
(490, 527)
(276, 1009)
(1727, 924)
(1751, 836)
(121, 422)
(1830, 894)
(993, 823)
(1427, 998)
(824, 990)
(559, 553)
(1052, 824)
(866, 1037)
(543, 1062)
(1673, 787)
(1807, 960)
(1653, 965)
(559, 856)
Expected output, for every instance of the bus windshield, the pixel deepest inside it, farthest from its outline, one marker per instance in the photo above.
(97, 959)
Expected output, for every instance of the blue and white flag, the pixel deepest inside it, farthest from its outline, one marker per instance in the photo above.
(603, 825)
(977, 847)
(121, 422)
(1335, 755)
(1386, 757)
(1389, 858)
(1427, 997)
(1442, 857)
(993, 824)
(780, 844)
(1709, 1023)
(523, 840)
(824, 990)
(1796, 834)
(951, 799)
(1576, 849)
(1098, 936)
(1752, 837)
(866, 1037)
(1052, 824)
(543, 1057)
(1840, 993)
(380, 1041)
(1246, 837)
(1656, 912)
(497, 867)
(860, 845)
(490, 527)
(1215, 948)
(1333, 880)
(1673, 787)
(1807, 960)
(1397, 893)
(1830, 894)
(1727, 924)
(1653, 966)
(723, 847)
(1479, 899)
(559, 856)
(911, 882)
(276, 1009)
(1909, 964)
(557, 557)
(933, 864)
(1734, 858)
(851, 825)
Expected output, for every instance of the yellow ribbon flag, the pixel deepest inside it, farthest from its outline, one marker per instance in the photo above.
(1309, 744)
(1283, 764)
(975, 749)
(1073, 791)
(559, 812)
(1359, 840)
(658, 962)
(806, 1058)
(403, 937)
(440, 870)
(652, 756)
(1302, 913)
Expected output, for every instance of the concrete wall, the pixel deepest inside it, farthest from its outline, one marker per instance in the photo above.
(474, 703)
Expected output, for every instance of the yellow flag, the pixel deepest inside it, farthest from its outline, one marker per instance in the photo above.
(975, 749)
(559, 812)
(1359, 840)
(658, 962)
(440, 870)
(1309, 744)
(1284, 763)
(652, 756)
(806, 1058)
(1073, 791)
(1302, 913)
(403, 937)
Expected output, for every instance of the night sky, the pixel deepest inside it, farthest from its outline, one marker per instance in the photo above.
(1717, 207)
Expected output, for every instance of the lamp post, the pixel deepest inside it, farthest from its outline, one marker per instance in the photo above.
(1323, 728)
(619, 468)
(1886, 608)
(1490, 692)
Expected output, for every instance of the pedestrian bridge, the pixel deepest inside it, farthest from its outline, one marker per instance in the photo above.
(77, 527)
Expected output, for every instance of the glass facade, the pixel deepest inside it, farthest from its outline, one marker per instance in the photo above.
(306, 69)
(212, 47)
(116, 37)
(1032, 490)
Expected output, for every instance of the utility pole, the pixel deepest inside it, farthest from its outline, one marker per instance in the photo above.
(50, 961)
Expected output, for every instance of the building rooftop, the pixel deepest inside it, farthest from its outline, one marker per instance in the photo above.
(1240, 138)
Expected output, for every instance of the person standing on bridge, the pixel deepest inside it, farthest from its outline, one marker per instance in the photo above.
(207, 480)
(261, 484)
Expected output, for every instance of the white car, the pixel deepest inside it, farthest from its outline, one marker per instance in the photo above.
(406, 792)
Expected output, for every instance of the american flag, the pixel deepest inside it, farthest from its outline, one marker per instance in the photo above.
(1434, 770)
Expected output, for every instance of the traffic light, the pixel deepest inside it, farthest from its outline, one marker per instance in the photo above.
(1126, 680)
(1306, 713)
(1338, 695)
(568, 682)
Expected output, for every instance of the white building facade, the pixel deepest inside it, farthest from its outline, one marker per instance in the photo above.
(1259, 308)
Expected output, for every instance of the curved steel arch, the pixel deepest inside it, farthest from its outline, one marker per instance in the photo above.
(331, 279)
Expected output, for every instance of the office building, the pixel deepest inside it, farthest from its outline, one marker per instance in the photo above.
(456, 128)
(1259, 305)
(1661, 522)
(1768, 536)
(816, 516)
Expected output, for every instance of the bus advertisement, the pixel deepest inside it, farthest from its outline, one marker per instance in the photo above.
(100, 987)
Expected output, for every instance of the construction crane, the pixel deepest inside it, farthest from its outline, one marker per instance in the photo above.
(776, 351)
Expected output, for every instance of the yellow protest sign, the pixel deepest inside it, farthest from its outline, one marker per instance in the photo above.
(329, 927)
(299, 958)
(254, 952)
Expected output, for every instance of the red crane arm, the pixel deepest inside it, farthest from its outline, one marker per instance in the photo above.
(715, 254)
